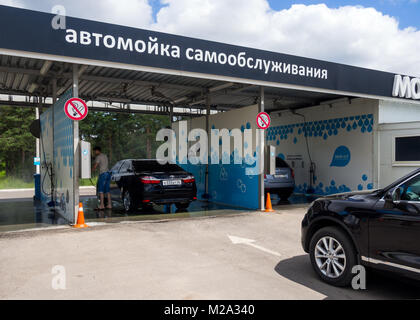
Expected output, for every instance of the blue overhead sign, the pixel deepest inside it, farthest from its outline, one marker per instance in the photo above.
(32, 31)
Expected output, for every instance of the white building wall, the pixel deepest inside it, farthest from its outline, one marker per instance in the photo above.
(397, 112)
(389, 171)
(340, 139)
(395, 119)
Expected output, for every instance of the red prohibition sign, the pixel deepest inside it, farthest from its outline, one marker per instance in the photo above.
(76, 109)
(263, 120)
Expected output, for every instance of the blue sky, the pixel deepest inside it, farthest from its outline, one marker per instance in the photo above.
(406, 11)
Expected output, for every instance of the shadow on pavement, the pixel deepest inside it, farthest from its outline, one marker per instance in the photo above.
(379, 286)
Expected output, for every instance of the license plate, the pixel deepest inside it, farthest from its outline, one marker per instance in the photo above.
(172, 182)
(281, 176)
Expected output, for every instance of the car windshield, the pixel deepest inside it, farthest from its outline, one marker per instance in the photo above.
(154, 166)
(280, 163)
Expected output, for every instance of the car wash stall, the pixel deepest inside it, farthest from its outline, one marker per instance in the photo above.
(331, 123)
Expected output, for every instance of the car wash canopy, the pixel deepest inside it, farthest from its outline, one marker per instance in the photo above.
(33, 32)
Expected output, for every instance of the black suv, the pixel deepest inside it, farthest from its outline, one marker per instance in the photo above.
(378, 229)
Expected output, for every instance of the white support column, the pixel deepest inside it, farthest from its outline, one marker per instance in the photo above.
(261, 144)
(76, 155)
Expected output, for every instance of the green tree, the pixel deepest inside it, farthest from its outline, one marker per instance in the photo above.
(120, 135)
(123, 135)
(17, 145)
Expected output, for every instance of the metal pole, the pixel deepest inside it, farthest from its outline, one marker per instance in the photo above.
(171, 114)
(76, 155)
(37, 144)
(261, 139)
(208, 143)
(54, 90)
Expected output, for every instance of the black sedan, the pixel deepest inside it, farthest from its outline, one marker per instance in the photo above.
(378, 229)
(142, 183)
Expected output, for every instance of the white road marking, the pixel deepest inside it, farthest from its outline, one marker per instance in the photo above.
(250, 242)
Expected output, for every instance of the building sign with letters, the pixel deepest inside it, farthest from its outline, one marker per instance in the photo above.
(32, 32)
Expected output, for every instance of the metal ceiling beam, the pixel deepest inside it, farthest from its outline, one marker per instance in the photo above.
(19, 70)
(47, 65)
(140, 83)
(220, 88)
(203, 95)
(102, 109)
(278, 97)
(44, 70)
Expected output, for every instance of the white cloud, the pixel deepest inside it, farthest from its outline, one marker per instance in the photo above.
(12, 3)
(135, 13)
(351, 34)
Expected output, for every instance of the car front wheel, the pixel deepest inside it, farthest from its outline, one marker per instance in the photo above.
(333, 256)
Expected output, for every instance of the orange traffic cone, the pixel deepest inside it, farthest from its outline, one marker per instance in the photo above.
(268, 206)
(81, 219)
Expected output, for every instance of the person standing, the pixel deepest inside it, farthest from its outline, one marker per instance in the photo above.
(104, 180)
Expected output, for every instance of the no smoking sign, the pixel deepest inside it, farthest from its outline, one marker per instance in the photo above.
(263, 120)
(76, 109)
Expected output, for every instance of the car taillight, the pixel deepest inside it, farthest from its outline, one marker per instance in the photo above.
(265, 176)
(189, 179)
(146, 201)
(150, 180)
(293, 173)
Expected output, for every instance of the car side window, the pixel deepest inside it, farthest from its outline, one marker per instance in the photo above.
(126, 167)
(410, 191)
(116, 167)
(123, 167)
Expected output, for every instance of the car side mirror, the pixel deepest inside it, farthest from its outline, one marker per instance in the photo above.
(392, 198)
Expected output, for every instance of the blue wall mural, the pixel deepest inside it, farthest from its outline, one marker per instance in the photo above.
(64, 158)
(228, 183)
(57, 150)
(322, 129)
(341, 156)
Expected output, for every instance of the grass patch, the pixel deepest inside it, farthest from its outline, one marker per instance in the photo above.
(87, 182)
(7, 182)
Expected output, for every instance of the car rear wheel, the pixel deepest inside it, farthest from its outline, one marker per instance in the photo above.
(333, 256)
(128, 202)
